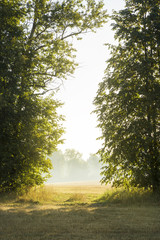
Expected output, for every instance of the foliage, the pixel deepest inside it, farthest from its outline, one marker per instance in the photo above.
(128, 99)
(35, 56)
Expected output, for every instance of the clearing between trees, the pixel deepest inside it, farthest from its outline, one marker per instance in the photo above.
(75, 212)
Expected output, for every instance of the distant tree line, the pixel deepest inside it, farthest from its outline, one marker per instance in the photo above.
(70, 166)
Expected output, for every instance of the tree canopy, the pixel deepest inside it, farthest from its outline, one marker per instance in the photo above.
(36, 54)
(128, 99)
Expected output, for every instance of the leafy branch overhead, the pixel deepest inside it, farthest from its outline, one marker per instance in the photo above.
(49, 27)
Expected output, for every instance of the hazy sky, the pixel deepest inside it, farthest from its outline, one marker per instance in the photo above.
(79, 91)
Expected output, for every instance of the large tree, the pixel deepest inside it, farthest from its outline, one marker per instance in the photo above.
(36, 54)
(128, 99)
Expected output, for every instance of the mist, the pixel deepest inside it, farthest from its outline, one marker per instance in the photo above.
(71, 167)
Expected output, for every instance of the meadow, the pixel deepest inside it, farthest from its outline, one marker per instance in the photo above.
(80, 212)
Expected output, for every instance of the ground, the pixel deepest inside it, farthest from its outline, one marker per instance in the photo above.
(78, 212)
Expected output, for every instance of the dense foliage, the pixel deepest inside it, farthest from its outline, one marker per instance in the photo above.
(35, 56)
(128, 99)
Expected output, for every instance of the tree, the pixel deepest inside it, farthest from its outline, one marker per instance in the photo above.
(58, 173)
(76, 167)
(35, 56)
(93, 166)
(128, 99)
(68, 166)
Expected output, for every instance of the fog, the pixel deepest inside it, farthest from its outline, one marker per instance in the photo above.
(71, 167)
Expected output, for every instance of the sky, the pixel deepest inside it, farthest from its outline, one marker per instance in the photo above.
(79, 91)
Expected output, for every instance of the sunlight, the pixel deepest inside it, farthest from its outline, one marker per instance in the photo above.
(79, 91)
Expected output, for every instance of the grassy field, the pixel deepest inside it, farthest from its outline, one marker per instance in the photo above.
(80, 212)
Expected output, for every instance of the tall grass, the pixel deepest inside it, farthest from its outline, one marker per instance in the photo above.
(98, 195)
(62, 194)
(124, 197)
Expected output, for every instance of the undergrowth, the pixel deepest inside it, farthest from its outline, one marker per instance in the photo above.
(66, 196)
(124, 197)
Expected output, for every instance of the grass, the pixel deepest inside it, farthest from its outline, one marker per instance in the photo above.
(87, 212)
(132, 197)
(64, 194)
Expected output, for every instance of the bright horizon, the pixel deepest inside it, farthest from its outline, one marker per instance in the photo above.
(79, 91)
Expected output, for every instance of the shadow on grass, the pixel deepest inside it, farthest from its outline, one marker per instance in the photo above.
(116, 215)
(34, 222)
